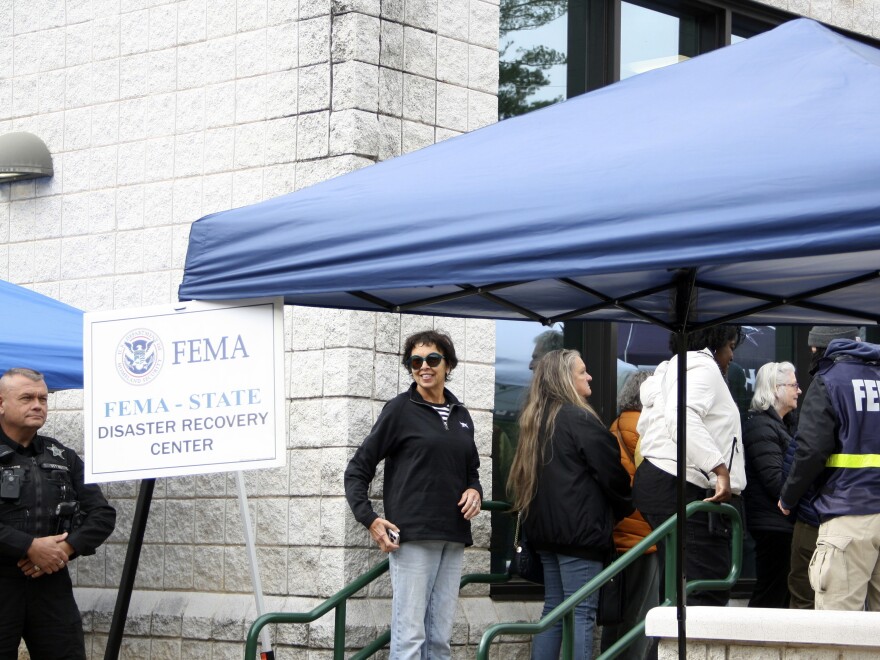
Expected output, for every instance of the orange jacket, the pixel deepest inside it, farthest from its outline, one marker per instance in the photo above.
(633, 528)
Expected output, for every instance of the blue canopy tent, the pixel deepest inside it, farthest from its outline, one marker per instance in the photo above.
(755, 165)
(742, 184)
(43, 334)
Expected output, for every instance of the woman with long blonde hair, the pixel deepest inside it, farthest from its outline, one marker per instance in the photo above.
(570, 489)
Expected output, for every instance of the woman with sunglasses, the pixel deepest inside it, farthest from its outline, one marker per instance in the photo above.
(431, 492)
(767, 434)
(570, 488)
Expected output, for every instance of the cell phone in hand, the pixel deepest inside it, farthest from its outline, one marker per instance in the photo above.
(393, 536)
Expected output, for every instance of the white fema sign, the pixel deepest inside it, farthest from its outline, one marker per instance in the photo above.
(184, 389)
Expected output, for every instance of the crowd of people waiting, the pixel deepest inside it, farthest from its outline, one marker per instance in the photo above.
(808, 492)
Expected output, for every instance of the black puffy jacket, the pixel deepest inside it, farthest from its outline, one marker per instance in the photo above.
(583, 490)
(766, 438)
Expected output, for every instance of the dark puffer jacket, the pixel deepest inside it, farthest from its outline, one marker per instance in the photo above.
(766, 437)
(804, 509)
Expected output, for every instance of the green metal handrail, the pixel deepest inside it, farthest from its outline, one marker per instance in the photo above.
(565, 610)
(338, 602)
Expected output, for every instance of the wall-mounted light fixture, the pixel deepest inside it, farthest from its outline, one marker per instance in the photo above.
(23, 156)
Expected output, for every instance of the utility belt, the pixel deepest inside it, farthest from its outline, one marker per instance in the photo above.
(64, 517)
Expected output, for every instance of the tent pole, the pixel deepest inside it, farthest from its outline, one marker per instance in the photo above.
(129, 569)
(681, 522)
(684, 291)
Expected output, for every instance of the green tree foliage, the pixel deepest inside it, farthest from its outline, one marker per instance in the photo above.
(523, 71)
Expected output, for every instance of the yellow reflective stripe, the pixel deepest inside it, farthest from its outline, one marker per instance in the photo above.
(853, 460)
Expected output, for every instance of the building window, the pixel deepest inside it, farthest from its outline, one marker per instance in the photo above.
(517, 345)
(648, 40)
(532, 55)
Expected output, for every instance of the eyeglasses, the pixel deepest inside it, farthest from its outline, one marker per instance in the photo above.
(794, 385)
(415, 362)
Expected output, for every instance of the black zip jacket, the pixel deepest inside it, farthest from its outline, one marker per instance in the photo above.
(766, 438)
(48, 474)
(583, 489)
(428, 466)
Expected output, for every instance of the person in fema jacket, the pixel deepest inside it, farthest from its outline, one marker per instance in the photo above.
(839, 443)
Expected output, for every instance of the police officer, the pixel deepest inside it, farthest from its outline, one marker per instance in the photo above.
(48, 516)
(839, 442)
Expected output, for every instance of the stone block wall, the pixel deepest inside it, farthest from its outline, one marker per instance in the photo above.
(862, 16)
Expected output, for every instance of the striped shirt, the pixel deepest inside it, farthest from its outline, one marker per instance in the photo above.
(442, 410)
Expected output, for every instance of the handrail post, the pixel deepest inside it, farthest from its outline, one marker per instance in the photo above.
(568, 635)
(670, 589)
(339, 631)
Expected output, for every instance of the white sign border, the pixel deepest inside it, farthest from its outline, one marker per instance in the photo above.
(170, 309)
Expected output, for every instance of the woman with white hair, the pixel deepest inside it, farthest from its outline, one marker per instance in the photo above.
(766, 436)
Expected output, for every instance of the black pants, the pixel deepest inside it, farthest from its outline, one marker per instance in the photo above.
(772, 565)
(43, 612)
(803, 544)
(707, 557)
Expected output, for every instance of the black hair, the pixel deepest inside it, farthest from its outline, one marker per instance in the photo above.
(712, 338)
(440, 339)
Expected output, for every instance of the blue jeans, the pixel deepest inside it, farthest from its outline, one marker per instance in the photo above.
(424, 578)
(563, 575)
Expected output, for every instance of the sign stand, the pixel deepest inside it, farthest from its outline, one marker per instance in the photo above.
(129, 569)
(266, 643)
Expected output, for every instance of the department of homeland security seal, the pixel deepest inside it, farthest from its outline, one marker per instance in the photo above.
(139, 356)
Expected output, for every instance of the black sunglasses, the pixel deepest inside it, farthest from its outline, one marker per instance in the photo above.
(415, 362)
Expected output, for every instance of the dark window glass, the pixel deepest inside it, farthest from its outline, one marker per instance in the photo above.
(746, 27)
(516, 345)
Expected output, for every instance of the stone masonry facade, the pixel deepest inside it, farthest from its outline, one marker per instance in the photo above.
(861, 16)
(159, 112)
